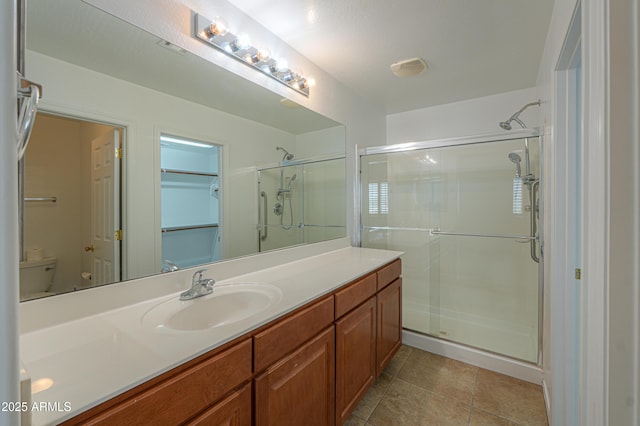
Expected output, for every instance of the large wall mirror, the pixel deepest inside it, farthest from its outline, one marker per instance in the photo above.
(146, 158)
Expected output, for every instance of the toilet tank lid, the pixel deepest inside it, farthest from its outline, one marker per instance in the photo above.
(41, 262)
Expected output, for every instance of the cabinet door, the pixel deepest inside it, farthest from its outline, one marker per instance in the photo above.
(355, 357)
(299, 389)
(235, 410)
(389, 323)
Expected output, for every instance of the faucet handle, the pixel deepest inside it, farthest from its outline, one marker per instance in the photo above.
(198, 274)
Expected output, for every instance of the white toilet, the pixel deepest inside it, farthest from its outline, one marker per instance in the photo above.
(36, 278)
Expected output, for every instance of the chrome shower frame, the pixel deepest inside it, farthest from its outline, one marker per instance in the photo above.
(535, 238)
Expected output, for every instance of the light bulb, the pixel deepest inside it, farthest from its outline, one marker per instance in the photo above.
(218, 27)
(281, 65)
(261, 55)
(243, 42)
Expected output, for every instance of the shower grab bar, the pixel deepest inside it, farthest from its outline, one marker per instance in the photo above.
(265, 227)
(52, 199)
(459, 234)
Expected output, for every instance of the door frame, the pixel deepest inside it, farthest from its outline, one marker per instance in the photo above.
(223, 160)
(126, 129)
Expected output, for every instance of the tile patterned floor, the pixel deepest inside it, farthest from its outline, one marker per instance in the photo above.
(420, 388)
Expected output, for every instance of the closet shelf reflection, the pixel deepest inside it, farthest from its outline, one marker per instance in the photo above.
(186, 172)
(188, 228)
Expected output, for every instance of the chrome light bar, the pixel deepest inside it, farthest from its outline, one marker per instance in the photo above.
(215, 33)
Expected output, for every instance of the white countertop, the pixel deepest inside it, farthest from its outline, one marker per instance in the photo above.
(92, 358)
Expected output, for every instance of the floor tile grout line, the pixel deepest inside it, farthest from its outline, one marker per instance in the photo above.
(393, 378)
(473, 395)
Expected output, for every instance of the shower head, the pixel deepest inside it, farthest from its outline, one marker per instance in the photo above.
(286, 155)
(516, 159)
(291, 180)
(506, 125)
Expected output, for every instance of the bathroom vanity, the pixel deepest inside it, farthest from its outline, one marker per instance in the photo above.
(332, 325)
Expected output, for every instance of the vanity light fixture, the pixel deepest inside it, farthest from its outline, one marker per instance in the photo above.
(215, 33)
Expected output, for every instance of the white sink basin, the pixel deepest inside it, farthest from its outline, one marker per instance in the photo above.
(227, 304)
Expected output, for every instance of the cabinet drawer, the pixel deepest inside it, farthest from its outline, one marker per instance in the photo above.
(275, 342)
(389, 273)
(356, 293)
(182, 396)
(233, 410)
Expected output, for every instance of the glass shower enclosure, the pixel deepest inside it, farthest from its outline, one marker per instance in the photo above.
(301, 202)
(466, 213)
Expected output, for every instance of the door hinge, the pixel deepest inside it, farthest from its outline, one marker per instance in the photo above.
(578, 273)
(119, 153)
(118, 235)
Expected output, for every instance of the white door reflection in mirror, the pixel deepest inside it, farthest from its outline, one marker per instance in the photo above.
(105, 208)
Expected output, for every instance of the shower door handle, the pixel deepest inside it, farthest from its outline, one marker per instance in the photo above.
(533, 223)
(263, 235)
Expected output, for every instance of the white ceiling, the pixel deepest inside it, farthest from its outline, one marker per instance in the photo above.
(473, 48)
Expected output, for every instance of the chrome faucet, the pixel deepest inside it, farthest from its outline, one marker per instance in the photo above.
(171, 267)
(199, 286)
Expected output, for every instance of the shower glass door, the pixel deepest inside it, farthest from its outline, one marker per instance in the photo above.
(462, 213)
(301, 203)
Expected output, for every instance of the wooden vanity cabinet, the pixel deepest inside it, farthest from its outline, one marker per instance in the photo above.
(355, 357)
(178, 395)
(299, 389)
(311, 367)
(389, 316)
(294, 361)
(368, 334)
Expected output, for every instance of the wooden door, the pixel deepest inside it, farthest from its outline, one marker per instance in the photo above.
(105, 209)
(389, 323)
(355, 357)
(299, 389)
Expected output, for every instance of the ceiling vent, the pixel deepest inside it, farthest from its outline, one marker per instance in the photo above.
(408, 67)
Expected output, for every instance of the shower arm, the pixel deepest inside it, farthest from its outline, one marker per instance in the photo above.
(515, 116)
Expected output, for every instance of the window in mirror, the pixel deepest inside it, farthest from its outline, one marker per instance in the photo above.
(190, 202)
(72, 207)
